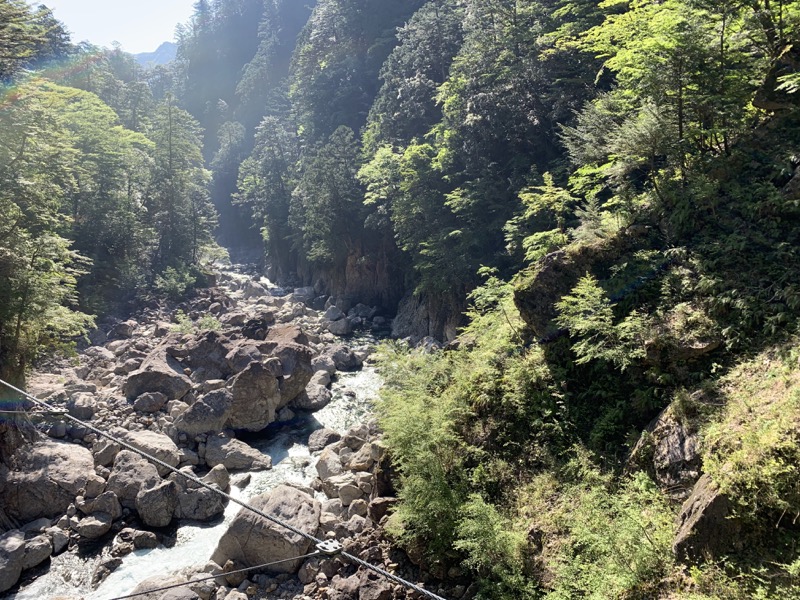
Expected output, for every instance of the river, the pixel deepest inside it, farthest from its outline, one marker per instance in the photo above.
(69, 574)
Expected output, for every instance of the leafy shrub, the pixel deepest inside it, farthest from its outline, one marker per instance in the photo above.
(615, 541)
(752, 450)
(174, 283)
(494, 549)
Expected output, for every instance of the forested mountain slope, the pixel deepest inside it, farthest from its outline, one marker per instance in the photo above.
(605, 193)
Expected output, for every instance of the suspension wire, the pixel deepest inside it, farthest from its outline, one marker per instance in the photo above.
(216, 490)
(391, 576)
(169, 467)
(193, 581)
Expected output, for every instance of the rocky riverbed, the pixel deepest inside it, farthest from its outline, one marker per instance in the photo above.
(207, 387)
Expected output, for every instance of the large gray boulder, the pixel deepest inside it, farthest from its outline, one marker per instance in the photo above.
(130, 474)
(329, 465)
(157, 504)
(669, 451)
(44, 479)
(12, 555)
(160, 372)
(256, 398)
(235, 455)
(206, 356)
(37, 550)
(155, 444)
(106, 502)
(321, 438)
(195, 502)
(252, 540)
(208, 413)
(706, 524)
(199, 504)
(314, 398)
(289, 344)
(94, 526)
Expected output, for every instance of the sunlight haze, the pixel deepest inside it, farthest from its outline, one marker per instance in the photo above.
(139, 26)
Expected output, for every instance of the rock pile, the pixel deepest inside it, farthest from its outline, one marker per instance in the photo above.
(178, 393)
(356, 501)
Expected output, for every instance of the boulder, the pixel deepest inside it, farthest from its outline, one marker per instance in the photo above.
(208, 413)
(251, 540)
(323, 363)
(255, 398)
(374, 587)
(207, 354)
(131, 474)
(107, 502)
(12, 556)
(44, 479)
(94, 526)
(59, 537)
(290, 345)
(235, 455)
(104, 451)
(199, 504)
(159, 582)
(343, 358)
(243, 353)
(157, 504)
(706, 526)
(253, 289)
(321, 438)
(155, 444)
(380, 507)
(150, 402)
(333, 314)
(315, 397)
(81, 406)
(362, 460)
(332, 485)
(341, 327)
(160, 372)
(123, 330)
(218, 476)
(329, 464)
(144, 540)
(668, 451)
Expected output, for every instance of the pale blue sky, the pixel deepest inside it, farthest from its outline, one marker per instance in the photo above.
(139, 25)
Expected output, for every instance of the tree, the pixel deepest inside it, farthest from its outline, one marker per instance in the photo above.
(39, 268)
(405, 106)
(20, 37)
(177, 199)
(326, 213)
(266, 181)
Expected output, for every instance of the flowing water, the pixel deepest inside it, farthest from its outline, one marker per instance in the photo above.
(70, 575)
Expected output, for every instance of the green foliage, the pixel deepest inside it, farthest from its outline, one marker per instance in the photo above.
(587, 313)
(494, 550)
(752, 449)
(184, 323)
(326, 205)
(174, 283)
(616, 541)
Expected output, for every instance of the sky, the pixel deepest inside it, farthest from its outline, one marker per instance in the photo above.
(139, 25)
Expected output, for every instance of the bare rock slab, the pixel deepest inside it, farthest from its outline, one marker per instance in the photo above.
(44, 479)
(706, 525)
(235, 455)
(251, 540)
